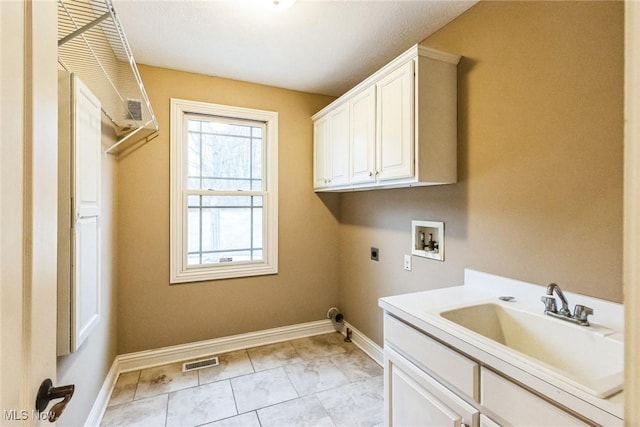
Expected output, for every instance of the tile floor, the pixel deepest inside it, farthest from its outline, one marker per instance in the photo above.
(314, 381)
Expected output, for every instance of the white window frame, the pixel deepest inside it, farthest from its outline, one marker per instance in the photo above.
(180, 271)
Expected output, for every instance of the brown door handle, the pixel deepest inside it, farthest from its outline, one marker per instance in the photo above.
(47, 392)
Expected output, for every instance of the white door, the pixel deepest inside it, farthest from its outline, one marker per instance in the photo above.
(86, 210)
(631, 215)
(394, 128)
(28, 205)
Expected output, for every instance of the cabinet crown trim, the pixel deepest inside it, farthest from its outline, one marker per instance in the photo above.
(413, 52)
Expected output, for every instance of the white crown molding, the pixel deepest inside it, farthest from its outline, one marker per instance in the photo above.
(410, 54)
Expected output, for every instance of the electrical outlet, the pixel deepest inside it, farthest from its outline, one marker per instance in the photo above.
(375, 254)
(407, 262)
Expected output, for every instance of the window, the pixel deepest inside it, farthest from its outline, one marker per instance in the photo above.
(224, 205)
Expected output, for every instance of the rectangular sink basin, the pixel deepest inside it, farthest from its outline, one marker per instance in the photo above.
(580, 355)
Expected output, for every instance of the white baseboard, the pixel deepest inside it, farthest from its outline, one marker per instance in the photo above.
(178, 353)
(365, 343)
(102, 400)
(162, 356)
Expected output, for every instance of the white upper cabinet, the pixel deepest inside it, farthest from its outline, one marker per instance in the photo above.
(331, 144)
(394, 125)
(363, 137)
(321, 169)
(339, 145)
(398, 128)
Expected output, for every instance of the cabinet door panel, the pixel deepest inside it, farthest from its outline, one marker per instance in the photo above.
(519, 407)
(394, 128)
(320, 153)
(487, 422)
(414, 406)
(339, 142)
(363, 137)
(414, 398)
(453, 368)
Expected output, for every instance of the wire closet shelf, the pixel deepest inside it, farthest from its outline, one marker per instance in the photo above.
(92, 45)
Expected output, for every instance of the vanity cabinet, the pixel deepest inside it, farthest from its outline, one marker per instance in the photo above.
(430, 383)
(417, 399)
(515, 404)
(398, 128)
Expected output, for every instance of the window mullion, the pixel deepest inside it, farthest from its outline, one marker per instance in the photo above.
(225, 193)
(251, 228)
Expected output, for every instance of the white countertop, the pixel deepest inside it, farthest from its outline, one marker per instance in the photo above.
(422, 309)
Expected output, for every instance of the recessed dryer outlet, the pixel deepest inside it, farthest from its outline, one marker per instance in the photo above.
(428, 239)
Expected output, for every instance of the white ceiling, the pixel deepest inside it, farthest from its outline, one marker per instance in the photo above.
(316, 46)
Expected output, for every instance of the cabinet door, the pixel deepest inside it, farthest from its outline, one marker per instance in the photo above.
(363, 137)
(519, 407)
(413, 398)
(339, 146)
(487, 422)
(320, 153)
(394, 128)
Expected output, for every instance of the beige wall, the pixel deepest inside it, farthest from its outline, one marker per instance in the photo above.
(88, 367)
(539, 196)
(153, 313)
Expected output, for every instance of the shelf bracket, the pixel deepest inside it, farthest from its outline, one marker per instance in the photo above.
(86, 27)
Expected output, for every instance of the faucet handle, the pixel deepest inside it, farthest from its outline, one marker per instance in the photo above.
(581, 312)
(549, 303)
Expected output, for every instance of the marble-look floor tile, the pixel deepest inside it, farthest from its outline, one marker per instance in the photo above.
(356, 365)
(273, 356)
(125, 388)
(202, 404)
(250, 419)
(314, 376)
(262, 389)
(230, 365)
(355, 404)
(302, 412)
(321, 346)
(164, 379)
(313, 367)
(139, 413)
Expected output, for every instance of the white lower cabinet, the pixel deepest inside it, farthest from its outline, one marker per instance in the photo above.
(429, 383)
(414, 398)
(487, 422)
(518, 406)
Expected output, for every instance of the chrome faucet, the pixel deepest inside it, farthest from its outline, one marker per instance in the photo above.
(580, 312)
